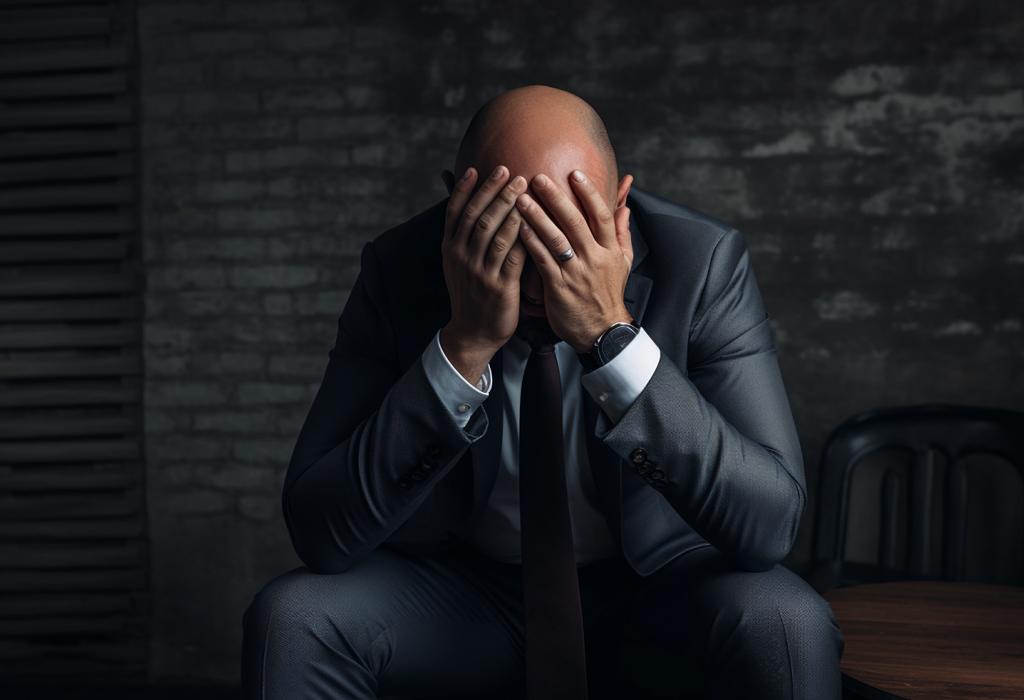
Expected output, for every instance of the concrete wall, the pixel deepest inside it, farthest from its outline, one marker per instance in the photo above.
(871, 152)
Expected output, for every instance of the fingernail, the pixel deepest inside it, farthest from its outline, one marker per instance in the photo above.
(523, 201)
(578, 176)
(498, 172)
(542, 180)
(519, 182)
(469, 171)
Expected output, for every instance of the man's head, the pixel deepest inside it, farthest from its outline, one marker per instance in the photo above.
(534, 129)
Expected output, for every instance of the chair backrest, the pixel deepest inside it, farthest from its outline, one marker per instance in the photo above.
(929, 491)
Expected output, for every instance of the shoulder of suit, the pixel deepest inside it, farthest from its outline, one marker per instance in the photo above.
(416, 240)
(654, 208)
(674, 231)
(414, 226)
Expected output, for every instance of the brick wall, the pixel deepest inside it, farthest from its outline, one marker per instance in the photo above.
(871, 152)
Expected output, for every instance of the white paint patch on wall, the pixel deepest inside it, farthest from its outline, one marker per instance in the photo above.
(824, 241)
(864, 80)
(845, 305)
(960, 328)
(815, 353)
(795, 142)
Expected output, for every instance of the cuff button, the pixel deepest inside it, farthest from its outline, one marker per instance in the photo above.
(638, 456)
(463, 407)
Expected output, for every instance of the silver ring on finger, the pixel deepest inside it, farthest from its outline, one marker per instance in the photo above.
(566, 254)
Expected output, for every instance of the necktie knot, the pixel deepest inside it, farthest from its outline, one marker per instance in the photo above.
(536, 331)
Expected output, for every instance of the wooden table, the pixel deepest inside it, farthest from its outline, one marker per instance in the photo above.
(931, 639)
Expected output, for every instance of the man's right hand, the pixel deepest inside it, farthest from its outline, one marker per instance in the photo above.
(483, 261)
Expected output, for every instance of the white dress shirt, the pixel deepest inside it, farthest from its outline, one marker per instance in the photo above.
(613, 386)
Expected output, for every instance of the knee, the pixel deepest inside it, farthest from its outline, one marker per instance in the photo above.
(790, 609)
(287, 600)
(808, 619)
(301, 605)
(777, 606)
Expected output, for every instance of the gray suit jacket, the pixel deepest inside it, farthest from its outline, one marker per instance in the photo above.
(707, 454)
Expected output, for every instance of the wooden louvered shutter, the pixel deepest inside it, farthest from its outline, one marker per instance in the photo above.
(73, 555)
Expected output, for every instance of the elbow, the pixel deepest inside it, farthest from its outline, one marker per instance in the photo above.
(774, 540)
(764, 555)
(325, 562)
(761, 558)
(316, 547)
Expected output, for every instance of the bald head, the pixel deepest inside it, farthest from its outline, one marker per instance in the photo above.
(537, 128)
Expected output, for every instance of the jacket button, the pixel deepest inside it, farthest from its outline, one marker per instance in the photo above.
(427, 466)
(418, 475)
(644, 468)
(638, 456)
(433, 451)
(658, 474)
(403, 483)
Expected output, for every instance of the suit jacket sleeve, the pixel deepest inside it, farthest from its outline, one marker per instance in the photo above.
(722, 434)
(375, 441)
(616, 385)
(450, 386)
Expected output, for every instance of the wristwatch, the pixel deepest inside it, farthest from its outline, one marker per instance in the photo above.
(609, 344)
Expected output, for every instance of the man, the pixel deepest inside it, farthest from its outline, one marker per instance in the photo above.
(418, 492)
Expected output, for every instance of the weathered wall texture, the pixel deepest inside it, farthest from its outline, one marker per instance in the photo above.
(871, 152)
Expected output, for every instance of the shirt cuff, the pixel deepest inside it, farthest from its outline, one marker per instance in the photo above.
(616, 385)
(459, 396)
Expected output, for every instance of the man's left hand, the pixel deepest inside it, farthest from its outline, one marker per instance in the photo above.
(583, 295)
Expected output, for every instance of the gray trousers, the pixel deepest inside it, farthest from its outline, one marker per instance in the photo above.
(450, 625)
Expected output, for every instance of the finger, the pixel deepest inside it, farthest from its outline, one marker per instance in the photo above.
(512, 267)
(478, 202)
(493, 217)
(548, 268)
(622, 235)
(566, 214)
(602, 221)
(550, 235)
(457, 200)
(502, 241)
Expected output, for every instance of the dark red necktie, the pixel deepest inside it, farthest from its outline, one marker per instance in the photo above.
(555, 654)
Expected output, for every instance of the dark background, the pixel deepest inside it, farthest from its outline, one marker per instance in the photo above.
(871, 153)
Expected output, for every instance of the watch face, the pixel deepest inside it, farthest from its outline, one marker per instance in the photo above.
(616, 339)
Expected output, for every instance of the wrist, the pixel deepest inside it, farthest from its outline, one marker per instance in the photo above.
(609, 343)
(468, 357)
(592, 336)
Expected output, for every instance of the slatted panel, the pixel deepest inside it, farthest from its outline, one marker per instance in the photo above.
(73, 551)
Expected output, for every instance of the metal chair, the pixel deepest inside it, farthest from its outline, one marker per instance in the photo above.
(932, 491)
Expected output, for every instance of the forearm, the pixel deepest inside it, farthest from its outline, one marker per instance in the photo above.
(616, 385)
(346, 502)
(743, 496)
(452, 385)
